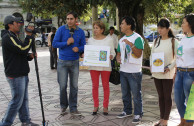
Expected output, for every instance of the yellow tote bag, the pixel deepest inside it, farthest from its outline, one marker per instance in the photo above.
(189, 113)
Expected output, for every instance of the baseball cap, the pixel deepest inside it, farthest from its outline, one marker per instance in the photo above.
(10, 18)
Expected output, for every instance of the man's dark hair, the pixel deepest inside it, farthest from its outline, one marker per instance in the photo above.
(190, 20)
(130, 21)
(73, 13)
(111, 28)
(53, 29)
(7, 27)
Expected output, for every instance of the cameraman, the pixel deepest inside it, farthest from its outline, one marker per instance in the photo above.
(15, 58)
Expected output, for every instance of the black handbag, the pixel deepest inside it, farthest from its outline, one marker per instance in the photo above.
(115, 75)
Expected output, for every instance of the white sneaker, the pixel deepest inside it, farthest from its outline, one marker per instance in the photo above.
(137, 119)
(123, 115)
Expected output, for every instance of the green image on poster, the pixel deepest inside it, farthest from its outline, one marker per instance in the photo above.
(189, 113)
(103, 56)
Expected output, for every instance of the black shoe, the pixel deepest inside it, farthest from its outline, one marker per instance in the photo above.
(105, 113)
(29, 124)
(95, 113)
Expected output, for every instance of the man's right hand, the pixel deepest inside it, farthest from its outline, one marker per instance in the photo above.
(70, 41)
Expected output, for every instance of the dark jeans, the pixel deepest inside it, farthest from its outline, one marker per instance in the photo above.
(131, 83)
(164, 89)
(53, 58)
(67, 68)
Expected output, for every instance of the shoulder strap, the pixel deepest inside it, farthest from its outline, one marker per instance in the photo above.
(173, 44)
(156, 41)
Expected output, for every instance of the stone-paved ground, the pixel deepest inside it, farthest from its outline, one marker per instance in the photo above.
(50, 94)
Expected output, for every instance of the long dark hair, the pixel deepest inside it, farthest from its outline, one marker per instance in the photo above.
(165, 23)
(190, 20)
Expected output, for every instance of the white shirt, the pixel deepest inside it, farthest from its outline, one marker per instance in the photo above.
(115, 40)
(185, 53)
(104, 42)
(129, 67)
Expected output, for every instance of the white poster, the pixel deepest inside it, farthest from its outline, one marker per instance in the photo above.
(158, 62)
(123, 47)
(96, 55)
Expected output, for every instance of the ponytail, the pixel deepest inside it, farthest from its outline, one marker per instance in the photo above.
(156, 41)
(170, 33)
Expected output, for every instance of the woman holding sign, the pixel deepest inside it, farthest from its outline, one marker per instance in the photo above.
(100, 39)
(185, 69)
(163, 68)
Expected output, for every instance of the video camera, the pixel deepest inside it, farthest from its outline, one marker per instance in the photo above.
(37, 23)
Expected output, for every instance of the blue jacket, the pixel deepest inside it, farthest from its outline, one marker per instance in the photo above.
(60, 41)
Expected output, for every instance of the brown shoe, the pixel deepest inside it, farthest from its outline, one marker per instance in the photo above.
(182, 123)
(63, 110)
(76, 112)
(157, 124)
(188, 123)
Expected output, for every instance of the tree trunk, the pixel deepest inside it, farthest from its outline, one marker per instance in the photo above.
(60, 21)
(94, 14)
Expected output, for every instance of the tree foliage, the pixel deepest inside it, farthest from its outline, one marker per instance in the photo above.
(144, 11)
(1, 25)
(156, 9)
(148, 11)
(51, 8)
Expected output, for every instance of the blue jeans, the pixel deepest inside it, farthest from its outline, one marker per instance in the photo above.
(65, 68)
(131, 82)
(183, 83)
(19, 101)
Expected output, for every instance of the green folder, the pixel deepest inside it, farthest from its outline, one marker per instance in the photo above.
(189, 113)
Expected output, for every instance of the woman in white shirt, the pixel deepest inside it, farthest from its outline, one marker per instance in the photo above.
(100, 39)
(185, 69)
(165, 43)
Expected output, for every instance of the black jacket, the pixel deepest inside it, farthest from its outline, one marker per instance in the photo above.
(15, 54)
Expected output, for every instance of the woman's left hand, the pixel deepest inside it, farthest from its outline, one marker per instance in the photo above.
(111, 57)
(166, 70)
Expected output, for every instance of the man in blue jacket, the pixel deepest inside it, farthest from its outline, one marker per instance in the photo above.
(70, 39)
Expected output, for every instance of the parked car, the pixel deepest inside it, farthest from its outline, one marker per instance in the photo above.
(38, 39)
(179, 36)
(150, 36)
